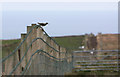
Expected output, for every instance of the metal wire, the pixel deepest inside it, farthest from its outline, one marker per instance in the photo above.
(27, 51)
(19, 44)
(2, 60)
(98, 62)
(95, 66)
(54, 63)
(97, 51)
(57, 62)
(97, 56)
(95, 69)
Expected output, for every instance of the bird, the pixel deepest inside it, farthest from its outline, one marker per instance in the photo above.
(42, 24)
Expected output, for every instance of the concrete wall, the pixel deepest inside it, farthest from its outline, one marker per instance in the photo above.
(27, 53)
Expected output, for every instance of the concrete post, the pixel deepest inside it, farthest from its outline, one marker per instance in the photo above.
(22, 51)
(99, 41)
(86, 41)
(29, 40)
(8, 65)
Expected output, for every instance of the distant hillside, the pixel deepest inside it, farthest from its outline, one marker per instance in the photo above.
(70, 42)
(9, 46)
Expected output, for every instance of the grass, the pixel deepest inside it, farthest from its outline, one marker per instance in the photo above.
(93, 73)
(71, 43)
(0, 53)
(8, 46)
(0, 49)
(7, 42)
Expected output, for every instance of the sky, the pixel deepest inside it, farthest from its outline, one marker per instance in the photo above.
(64, 18)
(59, 0)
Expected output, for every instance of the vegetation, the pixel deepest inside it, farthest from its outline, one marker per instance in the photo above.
(8, 46)
(8, 42)
(94, 73)
(71, 43)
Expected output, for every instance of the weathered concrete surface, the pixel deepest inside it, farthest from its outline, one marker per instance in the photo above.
(27, 51)
(107, 41)
(102, 42)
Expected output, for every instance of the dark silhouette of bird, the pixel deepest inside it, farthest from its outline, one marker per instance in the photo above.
(43, 24)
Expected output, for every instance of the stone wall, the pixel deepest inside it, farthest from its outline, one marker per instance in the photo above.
(102, 42)
(90, 42)
(107, 41)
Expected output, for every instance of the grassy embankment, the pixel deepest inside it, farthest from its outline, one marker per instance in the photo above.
(71, 43)
(8, 46)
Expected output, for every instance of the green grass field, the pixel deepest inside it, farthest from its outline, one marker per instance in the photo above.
(8, 42)
(8, 46)
(71, 43)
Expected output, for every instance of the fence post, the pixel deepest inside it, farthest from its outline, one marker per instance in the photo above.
(118, 60)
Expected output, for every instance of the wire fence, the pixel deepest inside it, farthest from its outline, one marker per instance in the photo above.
(47, 65)
(96, 60)
(37, 56)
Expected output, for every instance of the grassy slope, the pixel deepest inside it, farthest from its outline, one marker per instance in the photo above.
(9, 46)
(8, 42)
(70, 42)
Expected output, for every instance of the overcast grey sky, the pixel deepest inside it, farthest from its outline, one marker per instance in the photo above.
(68, 18)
